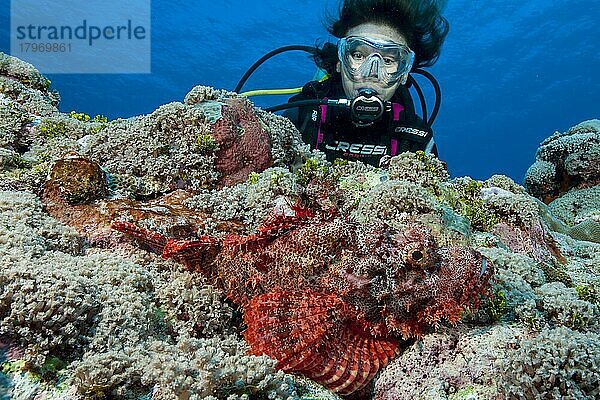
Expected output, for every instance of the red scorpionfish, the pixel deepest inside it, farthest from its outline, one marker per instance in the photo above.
(332, 300)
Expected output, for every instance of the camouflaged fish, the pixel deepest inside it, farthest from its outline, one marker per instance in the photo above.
(332, 299)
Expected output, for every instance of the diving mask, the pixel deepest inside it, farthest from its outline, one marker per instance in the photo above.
(365, 59)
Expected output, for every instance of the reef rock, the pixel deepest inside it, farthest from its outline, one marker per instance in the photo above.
(566, 161)
(214, 139)
(77, 179)
(214, 143)
(566, 176)
(24, 94)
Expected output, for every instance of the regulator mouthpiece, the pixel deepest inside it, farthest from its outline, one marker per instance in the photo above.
(366, 108)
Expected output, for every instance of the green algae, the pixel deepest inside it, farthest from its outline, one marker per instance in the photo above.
(497, 306)
(13, 367)
(52, 130)
(80, 116)
(466, 393)
(465, 199)
(205, 143)
(99, 121)
(310, 170)
(587, 293)
(253, 178)
(277, 177)
(102, 119)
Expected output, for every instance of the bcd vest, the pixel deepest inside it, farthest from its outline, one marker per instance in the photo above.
(331, 130)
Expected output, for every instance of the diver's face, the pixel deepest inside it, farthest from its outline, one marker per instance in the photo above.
(376, 31)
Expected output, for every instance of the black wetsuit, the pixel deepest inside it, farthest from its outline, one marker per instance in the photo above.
(331, 130)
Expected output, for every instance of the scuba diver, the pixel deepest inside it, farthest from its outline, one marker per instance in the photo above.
(361, 109)
(381, 41)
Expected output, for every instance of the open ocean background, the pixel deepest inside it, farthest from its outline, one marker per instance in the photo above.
(511, 72)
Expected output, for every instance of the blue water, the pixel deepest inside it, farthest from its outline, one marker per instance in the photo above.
(512, 72)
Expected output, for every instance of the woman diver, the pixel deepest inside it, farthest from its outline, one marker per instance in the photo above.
(380, 42)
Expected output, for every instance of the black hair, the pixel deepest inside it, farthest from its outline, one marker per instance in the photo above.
(419, 21)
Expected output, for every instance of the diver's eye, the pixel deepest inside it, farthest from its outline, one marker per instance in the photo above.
(357, 56)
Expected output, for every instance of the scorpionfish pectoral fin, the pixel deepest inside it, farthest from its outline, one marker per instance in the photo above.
(152, 240)
(192, 253)
(311, 333)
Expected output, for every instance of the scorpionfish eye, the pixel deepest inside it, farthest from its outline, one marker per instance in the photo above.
(416, 255)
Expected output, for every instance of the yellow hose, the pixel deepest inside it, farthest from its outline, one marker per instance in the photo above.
(266, 92)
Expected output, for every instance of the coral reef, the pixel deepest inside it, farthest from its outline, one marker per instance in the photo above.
(554, 364)
(444, 364)
(424, 170)
(579, 207)
(248, 203)
(24, 86)
(193, 307)
(500, 362)
(114, 321)
(213, 143)
(332, 271)
(225, 372)
(13, 120)
(396, 201)
(565, 161)
(166, 141)
(565, 176)
(216, 138)
(562, 306)
(21, 71)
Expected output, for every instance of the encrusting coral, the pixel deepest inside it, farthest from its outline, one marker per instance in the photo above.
(557, 363)
(214, 139)
(291, 263)
(565, 161)
(565, 176)
(22, 83)
(111, 320)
